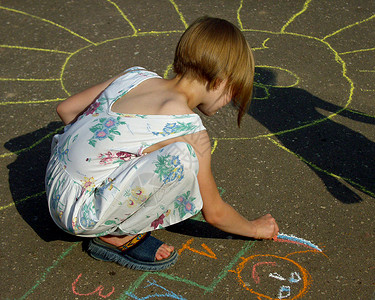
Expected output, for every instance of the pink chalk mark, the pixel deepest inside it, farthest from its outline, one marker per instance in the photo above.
(255, 273)
(98, 290)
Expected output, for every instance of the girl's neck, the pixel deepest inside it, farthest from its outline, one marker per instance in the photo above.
(192, 90)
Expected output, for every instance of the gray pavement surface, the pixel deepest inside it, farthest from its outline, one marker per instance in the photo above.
(305, 151)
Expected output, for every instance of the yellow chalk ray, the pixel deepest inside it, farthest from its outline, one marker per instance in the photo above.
(124, 16)
(31, 101)
(34, 49)
(290, 21)
(47, 21)
(356, 51)
(239, 15)
(29, 79)
(7, 154)
(157, 33)
(21, 200)
(263, 45)
(167, 70)
(347, 27)
(179, 13)
(360, 113)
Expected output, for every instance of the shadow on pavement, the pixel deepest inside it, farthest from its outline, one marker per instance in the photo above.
(202, 229)
(329, 148)
(26, 181)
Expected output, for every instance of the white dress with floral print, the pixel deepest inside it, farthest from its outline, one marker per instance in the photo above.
(99, 181)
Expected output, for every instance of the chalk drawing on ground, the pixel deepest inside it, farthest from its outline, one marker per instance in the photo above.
(293, 283)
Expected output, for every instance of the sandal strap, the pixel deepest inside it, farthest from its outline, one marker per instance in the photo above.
(135, 240)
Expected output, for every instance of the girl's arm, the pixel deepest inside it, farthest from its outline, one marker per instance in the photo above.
(71, 108)
(217, 212)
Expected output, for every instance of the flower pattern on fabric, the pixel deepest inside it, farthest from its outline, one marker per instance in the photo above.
(113, 222)
(106, 128)
(159, 221)
(106, 185)
(169, 168)
(88, 183)
(62, 152)
(95, 107)
(92, 109)
(56, 203)
(87, 213)
(140, 72)
(184, 204)
(113, 158)
(136, 196)
(172, 128)
(75, 226)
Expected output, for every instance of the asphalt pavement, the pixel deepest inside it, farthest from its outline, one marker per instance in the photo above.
(305, 151)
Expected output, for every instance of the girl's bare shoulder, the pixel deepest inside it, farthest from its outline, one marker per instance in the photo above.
(152, 97)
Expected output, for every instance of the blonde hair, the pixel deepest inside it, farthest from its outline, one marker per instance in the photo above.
(212, 50)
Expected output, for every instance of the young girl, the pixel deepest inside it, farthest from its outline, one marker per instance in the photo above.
(134, 157)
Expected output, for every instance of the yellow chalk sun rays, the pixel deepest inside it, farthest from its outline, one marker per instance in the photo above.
(70, 54)
(316, 122)
(137, 33)
(60, 79)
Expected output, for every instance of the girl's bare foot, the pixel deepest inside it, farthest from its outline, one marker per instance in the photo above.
(163, 252)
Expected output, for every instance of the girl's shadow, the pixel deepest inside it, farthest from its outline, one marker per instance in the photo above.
(340, 156)
(26, 181)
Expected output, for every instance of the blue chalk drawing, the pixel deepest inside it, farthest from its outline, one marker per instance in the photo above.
(284, 292)
(168, 293)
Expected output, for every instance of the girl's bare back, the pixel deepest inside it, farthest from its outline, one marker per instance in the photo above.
(154, 96)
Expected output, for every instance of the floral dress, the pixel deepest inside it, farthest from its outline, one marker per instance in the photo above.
(99, 181)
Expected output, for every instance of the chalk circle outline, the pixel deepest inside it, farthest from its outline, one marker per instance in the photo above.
(306, 277)
(75, 53)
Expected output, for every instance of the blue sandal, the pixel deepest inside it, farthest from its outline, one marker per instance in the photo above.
(138, 253)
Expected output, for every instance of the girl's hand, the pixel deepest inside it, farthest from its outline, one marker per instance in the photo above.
(265, 227)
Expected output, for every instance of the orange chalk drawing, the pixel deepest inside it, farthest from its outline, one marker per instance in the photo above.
(292, 284)
(209, 252)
